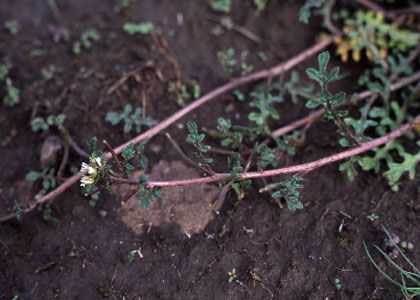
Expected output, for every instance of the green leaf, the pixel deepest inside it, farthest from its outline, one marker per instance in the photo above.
(113, 118)
(396, 170)
(143, 28)
(128, 152)
(323, 59)
(312, 74)
(32, 176)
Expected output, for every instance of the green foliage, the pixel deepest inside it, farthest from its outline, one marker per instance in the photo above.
(223, 6)
(368, 31)
(17, 211)
(393, 156)
(188, 91)
(305, 10)
(337, 283)
(145, 194)
(12, 26)
(246, 68)
(143, 28)
(327, 100)
(12, 95)
(47, 176)
(128, 154)
(86, 40)
(132, 119)
(396, 170)
(122, 5)
(260, 5)
(44, 124)
(265, 96)
(234, 163)
(47, 214)
(227, 60)
(409, 278)
(232, 136)
(196, 139)
(289, 191)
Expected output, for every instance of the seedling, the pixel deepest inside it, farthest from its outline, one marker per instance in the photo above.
(226, 59)
(131, 119)
(12, 26)
(407, 245)
(47, 176)
(233, 278)
(223, 6)
(372, 217)
(86, 40)
(47, 215)
(143, 28)
(44, 124)
(337, 283)
(122, 5)
(12, 96)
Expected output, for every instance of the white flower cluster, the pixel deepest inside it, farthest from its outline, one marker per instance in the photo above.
(90, 171)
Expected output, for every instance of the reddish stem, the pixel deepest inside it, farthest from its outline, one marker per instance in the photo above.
(288, 170)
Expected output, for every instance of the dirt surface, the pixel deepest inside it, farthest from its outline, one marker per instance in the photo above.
(187, 206)
(277, 254)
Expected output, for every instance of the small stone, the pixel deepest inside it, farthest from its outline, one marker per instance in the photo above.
(180, 126)
(103, 213)
(392, 240)
(49, 151)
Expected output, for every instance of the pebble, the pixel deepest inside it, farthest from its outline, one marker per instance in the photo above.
(50, 149)
(103, 213)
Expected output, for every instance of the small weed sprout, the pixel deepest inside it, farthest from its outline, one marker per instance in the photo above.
(44, 124)
(337, 283)
(122, 5)
(131, 119)
(233, 277)
(49, 180)
(143, 28)
(12, 96)
(12, 26)
(372, 217)
(223, 6)
(226, 59)
(86, 40)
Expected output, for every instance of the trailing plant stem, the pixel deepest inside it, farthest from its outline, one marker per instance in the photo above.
(365, 146)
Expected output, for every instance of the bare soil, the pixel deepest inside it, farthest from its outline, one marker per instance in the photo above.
(278, 254)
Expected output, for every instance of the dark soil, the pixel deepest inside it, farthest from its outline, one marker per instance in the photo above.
(278, 254)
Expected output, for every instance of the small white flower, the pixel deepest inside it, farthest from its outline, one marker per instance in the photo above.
(86, 180)
(98, 162)
(85, 168)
